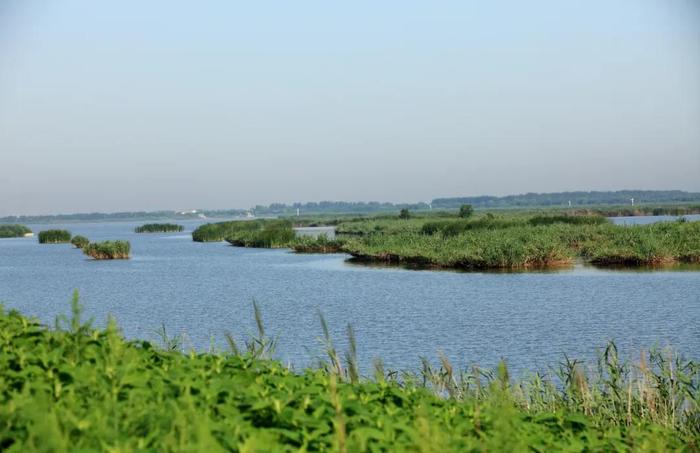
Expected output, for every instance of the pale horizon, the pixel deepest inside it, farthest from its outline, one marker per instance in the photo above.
(154, 106)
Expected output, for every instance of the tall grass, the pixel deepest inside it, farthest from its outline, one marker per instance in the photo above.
(216, 232)
(13, 231)
(268, 234)
(80, 241)
(531, 242)
(159, 228)
(108, 250)
(54, 236)
(80, 388)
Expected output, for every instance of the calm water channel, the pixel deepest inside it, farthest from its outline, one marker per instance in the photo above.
(204, 290)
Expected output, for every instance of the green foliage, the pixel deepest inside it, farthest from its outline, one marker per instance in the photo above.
(108, 250)
(268, 234)
(13, 231)
(159, 228)
(216, 232)
(404, 214)
(466, 211)
(319, 244)
(521, 241)
(655, 244)
(80, 241)
(84, 389)
(54, 236)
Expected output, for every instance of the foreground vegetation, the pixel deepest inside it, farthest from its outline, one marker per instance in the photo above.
(14, 231)
(54, 236)
(79, 388)
(159, 228)
(108, 250)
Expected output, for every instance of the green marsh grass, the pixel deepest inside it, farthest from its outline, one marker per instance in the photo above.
(13, 231)
(54, 236)
(75, 387)
(268, 234)
(80, 241)
(108, 250)
(159, 228)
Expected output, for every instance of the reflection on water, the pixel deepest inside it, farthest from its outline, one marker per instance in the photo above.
(204, 290)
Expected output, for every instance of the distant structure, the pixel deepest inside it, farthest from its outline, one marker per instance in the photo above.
(297, 212)
(569, 203)
(632, 200)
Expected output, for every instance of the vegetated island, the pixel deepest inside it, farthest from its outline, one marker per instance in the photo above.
(108, 250)
(58, 384)
(54, 236)
(14, 231)
(477, 241)
(79, 241)
(159, 228)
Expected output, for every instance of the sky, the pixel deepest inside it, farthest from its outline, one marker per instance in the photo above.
(147, 105)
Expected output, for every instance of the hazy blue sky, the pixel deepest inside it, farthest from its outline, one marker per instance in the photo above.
(129, 105)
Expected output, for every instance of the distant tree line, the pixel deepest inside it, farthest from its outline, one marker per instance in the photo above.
(621, 197)
(562, 199)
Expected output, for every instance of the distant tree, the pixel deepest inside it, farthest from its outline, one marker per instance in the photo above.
(404, 214)
(465, 211)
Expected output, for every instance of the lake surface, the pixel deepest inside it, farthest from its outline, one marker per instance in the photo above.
(204, 290)
(647, 219)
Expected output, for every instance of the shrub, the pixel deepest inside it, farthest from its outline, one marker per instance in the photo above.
(466, 211)
(54, 236)
(404, 214)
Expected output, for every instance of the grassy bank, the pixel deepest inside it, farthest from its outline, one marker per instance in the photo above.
(265, 234)
(159, 228)
(13, 231)
(512, 242)
(484, 241)
(54, 236)
(217, 232)
(108, 250)
(78, 388)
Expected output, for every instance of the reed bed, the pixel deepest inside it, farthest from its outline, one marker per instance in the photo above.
(268, 234)
(319, 244)
(79, 388)
(14, 231)
(80, 242)
(512, 243)
(524, 247)
(217, 232)
(108, 250)
(54, 236)
(159, 228)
